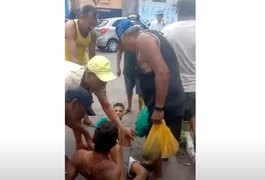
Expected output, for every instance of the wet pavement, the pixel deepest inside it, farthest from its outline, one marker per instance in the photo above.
(176, 168)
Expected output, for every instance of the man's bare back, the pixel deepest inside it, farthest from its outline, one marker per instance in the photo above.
(95, 166)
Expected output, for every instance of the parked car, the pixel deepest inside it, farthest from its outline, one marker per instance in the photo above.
(106, 35)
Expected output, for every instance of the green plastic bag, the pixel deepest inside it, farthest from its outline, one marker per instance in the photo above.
(101, 121)
(141, 123)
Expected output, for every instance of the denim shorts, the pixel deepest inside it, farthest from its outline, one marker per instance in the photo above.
(130, 82)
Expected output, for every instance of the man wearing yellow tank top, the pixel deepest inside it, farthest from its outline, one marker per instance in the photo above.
(80, 39)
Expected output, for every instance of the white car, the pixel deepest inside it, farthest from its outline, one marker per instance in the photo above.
(106, 35)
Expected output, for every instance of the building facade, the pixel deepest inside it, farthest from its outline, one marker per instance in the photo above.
(148, 8)
(117, 8)
(105, 8)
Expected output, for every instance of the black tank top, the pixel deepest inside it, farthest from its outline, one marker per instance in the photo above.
(174, 104)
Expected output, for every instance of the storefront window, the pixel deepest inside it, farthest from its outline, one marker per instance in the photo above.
(159, 0)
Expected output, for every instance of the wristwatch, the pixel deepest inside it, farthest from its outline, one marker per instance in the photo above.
(159, 108)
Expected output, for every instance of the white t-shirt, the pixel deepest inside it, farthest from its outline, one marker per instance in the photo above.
(181, 36)
(73, 74)
(155, 25)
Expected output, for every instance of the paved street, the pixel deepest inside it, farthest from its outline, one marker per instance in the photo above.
(174, 168)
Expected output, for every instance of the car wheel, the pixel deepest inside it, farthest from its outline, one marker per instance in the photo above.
(112, 45)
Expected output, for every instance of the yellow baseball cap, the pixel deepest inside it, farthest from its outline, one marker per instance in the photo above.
(100, 66)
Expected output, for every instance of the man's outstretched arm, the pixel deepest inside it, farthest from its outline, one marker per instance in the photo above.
(108, 109)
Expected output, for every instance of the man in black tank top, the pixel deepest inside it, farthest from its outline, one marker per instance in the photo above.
(159, 77)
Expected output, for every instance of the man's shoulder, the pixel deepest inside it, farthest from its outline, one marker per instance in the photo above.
(178, 24)
(72, 66)
(70, 24)
(145, 36)
(70, 27)
(170, 27)
(110, 170)
(78, 156)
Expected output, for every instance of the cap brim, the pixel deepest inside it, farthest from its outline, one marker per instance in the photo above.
(90, 111)
(107, 77)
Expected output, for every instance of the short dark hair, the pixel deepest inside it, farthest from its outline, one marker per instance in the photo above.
(186, 8)
(105, 137)
(119, 104)
(85, 10)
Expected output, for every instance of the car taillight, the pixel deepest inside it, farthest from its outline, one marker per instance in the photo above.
(104, 30)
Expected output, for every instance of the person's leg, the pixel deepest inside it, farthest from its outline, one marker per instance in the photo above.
(126, 153)
(116, 155)
(190, 110)
(193, 130)
(174, 123)
(124, 144)
(157, 166)
(139, 92)
(137, 169)
(193, 125)
(129, 85)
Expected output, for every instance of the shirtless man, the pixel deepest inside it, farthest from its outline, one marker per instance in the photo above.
(132, 167)
(96, 164)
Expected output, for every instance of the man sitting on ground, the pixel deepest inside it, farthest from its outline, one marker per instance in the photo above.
(96, 164)
(133, 168)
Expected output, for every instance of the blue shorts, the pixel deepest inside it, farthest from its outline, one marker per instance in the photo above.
(130, 83)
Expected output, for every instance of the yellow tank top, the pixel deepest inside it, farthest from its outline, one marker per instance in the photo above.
(81, 44)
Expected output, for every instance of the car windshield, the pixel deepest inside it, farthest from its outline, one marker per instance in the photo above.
(102, 23)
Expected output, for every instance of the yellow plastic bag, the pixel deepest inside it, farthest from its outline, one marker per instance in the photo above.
(160, 143)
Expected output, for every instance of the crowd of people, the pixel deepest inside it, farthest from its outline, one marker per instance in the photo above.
(159, 62)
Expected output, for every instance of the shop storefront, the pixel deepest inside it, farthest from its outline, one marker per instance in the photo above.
(106, 8)
(148, 8)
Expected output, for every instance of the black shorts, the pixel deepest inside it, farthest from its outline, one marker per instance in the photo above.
(130, 83)
(190, 105)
